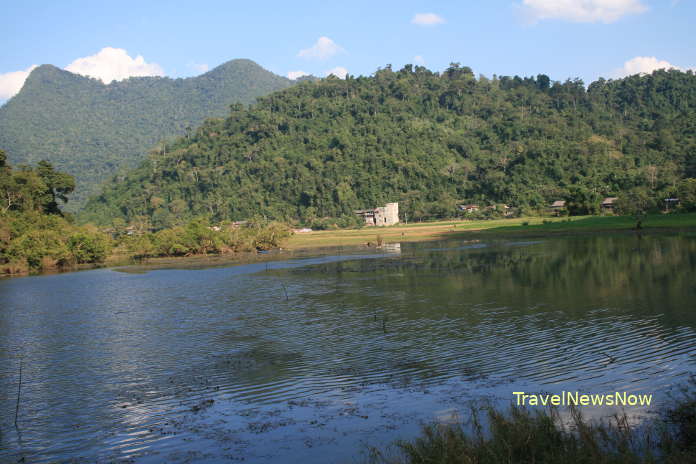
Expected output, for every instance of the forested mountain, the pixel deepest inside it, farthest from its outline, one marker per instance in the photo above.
(428, 140)
(90, 129)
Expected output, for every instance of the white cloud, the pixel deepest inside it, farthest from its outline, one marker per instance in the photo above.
(199, 67)
(12, 82)
(113, 64)
(581, 11)
(427, 19)
(338, 71)
(322, 49)
(643, 65)
(418, 60)
(292, 75)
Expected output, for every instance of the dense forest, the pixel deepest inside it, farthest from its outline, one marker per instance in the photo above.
(91, 130)
(429, 140)
(34, 233)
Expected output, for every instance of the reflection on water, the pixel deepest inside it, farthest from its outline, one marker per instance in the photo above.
(288, 361)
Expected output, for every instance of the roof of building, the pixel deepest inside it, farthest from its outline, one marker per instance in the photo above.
(558, 204)
(609, 200)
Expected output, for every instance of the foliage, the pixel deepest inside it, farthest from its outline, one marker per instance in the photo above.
(317, 151)
(200, 237)
(686, 192)
(88, 246)
(582, 201)
(91, 130)
(636, 202)
(33, 232)
(523, 436)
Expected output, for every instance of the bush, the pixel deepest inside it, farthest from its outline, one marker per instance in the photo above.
(89, 247)
(268, 236)
(40, 248)
(199, 237)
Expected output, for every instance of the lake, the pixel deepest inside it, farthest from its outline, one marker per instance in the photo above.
(316, 359)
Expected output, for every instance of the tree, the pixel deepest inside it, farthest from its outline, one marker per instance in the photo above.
(686, 192)
(59, 185)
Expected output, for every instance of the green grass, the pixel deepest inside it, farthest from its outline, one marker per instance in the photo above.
(542, 436)
(599, 223)
(463, 229)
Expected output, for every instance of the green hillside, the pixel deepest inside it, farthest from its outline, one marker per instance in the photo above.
(91, 130)
(428, 140)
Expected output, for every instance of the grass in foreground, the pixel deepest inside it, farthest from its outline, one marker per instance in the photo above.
(526, 226)
(521, 436)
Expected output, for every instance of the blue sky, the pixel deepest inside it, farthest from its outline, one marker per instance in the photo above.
(561, 38)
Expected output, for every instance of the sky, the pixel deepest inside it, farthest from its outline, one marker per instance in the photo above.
(561, 38)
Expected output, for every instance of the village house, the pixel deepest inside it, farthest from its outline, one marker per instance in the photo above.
(468, 209)
(506, 210)
(386, 215)
(609, 203)
(671, 203)
(557, 206)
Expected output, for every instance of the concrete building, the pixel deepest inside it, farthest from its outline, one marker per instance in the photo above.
(386, 215)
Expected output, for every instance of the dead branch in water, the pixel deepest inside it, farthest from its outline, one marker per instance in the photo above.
(19, 390)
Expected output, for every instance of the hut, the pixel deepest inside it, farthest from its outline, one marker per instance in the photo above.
(609, 203)
(557, 206)
(468, 209)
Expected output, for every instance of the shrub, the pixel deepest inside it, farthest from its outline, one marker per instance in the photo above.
(39, 247)
(88, 246)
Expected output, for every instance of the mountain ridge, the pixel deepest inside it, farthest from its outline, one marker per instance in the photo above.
(92, 130)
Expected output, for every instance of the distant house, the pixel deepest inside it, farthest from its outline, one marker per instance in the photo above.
(236, 224)
(671, 203)
(609, 203)
(304, 230)
(468, 209)
(558, 206)
(507, 210)
(386, 215)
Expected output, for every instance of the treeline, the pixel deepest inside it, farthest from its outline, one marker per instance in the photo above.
(199, 237)
(36, 236)
(315, 152)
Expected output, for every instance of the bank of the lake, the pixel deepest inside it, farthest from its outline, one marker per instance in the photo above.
(514, 227)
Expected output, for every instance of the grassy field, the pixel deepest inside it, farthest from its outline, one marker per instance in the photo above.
(527, 226)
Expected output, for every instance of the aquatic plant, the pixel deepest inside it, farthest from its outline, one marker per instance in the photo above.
(521, 435)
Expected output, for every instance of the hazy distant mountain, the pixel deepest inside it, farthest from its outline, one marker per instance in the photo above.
(91, 130)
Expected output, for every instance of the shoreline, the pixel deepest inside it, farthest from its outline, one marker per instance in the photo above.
(518, 227)
(330, 241)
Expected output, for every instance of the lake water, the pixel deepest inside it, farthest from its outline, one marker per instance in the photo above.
(314, 360)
